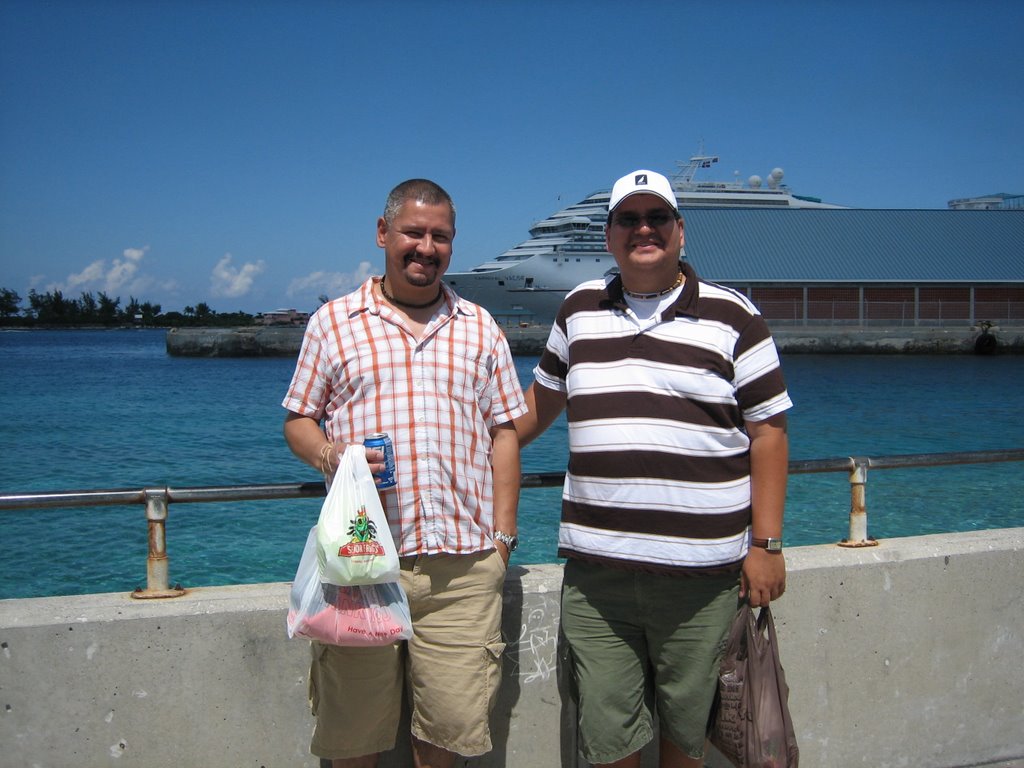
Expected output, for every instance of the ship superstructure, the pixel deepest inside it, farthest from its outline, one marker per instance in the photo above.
(526, 284)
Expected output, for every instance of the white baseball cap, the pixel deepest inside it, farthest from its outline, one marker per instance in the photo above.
(642, 182)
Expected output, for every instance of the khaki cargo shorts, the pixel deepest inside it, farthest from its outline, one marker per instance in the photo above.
(450, 670)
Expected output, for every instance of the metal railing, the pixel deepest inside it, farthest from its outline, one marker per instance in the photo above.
(158, 499)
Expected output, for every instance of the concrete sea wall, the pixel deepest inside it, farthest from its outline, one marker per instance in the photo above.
(274, 341)
(904, 654)
(256, 341)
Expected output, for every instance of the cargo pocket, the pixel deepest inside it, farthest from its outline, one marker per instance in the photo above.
(493, 653)
(480, 740)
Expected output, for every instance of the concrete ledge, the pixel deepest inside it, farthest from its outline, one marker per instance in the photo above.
(903, 654)
(906, 654)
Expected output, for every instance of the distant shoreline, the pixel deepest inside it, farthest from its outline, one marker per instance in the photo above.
(284, 341)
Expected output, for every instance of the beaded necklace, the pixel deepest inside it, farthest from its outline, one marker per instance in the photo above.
(406, 304)
(656, 294)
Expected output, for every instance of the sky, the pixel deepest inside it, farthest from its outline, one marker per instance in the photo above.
(239, 153)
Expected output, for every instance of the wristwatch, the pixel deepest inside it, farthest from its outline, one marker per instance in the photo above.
(772, 545)
(509, 540)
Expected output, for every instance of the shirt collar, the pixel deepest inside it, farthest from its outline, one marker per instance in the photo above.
(367, 300)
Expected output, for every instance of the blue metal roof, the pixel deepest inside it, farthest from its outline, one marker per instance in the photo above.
(733, 245)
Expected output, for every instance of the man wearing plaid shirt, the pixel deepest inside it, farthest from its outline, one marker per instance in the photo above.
(403, 354)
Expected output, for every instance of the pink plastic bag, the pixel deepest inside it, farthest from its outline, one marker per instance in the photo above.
(374, 614)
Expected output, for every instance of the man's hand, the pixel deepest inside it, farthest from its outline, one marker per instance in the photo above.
(503, 551)
(763, 578)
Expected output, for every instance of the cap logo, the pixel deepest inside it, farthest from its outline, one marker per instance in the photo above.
(640, 179)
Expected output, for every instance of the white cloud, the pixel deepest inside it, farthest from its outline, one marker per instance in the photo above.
(232, 282)
(122, 273)
(331, 284)
(91, 275)
(123, 270)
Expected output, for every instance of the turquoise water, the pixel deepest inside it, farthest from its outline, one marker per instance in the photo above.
(110, 409)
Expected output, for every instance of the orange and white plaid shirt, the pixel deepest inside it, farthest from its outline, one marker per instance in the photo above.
(361, 372)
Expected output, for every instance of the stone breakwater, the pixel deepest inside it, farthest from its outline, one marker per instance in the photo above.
(234, 342)
(285, 341)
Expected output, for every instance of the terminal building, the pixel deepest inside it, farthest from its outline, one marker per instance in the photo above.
(855, 266)
(283, 317)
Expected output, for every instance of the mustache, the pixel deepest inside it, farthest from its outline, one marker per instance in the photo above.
(413, 256)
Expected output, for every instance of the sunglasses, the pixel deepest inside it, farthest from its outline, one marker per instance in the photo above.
(654, 219)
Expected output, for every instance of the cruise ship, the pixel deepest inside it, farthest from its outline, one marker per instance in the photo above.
(526, 284)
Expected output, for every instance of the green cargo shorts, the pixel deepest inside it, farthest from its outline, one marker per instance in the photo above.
(641, 643)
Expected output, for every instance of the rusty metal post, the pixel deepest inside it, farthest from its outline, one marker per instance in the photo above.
(156, 562)
(858, 505)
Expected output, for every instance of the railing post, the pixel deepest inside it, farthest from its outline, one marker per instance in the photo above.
(858, 505)
(156, 561)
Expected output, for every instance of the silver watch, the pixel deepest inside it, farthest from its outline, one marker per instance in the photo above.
(509, 540)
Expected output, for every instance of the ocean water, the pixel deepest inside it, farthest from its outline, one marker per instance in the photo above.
(110, 409)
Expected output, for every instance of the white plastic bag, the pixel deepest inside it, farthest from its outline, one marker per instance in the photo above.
(354, 544)
(375, 614)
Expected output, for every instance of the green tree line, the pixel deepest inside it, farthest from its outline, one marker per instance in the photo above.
(55, 310)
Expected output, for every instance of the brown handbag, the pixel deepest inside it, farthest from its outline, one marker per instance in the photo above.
(750, 722)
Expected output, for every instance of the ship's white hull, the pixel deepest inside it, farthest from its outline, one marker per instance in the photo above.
(531, 290)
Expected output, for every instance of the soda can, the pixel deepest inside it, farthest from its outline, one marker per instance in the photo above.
(380, 440)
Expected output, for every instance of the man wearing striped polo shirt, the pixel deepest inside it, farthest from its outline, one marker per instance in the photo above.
(673, 501)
